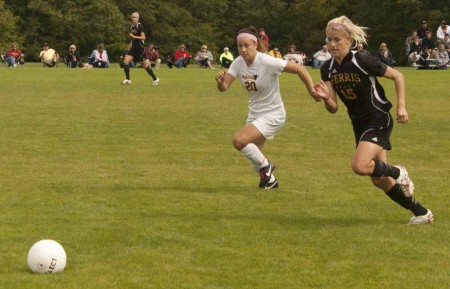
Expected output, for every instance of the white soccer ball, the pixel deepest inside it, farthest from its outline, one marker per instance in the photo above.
(47, 256)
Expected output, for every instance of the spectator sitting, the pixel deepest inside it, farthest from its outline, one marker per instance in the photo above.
(99, 57)
(384, 55)
(446, 43)
(226, 58)
(320, 57)
(204, 57)
(424, 60)
(275, 53)
(13, 56)
(422, 31)
(152, 55)
(73, 58)
(360, 49)
(294, 56)
(442, 57)
(415, 50)
(264, 38)
(181, 57)
(430, 43)
(441, 31)
(48, 56)
(409, 40)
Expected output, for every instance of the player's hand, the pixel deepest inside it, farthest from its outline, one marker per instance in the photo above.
(402, 115)
(220, 76)
(322, 91)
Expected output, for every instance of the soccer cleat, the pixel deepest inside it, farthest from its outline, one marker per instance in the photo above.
(155, 82)
(126, 81)
(405, 182)
(272, 184)
(265, 174)
(424, 219)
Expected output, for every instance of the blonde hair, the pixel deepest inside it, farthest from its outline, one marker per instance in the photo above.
(357, 33)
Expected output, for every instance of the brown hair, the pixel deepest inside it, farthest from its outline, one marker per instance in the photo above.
(261, 45)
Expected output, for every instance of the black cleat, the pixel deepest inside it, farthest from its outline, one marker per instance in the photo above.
(265, 174)
(272, 184)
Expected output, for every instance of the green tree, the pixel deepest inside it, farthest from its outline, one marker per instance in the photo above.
(84, 23)
(9, 29)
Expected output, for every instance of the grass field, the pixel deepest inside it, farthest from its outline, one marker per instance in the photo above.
(142, 186)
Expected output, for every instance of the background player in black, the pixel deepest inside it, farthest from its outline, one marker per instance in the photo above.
(136, 50)
(352, 76)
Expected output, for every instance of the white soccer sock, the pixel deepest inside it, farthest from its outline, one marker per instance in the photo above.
(252, 152)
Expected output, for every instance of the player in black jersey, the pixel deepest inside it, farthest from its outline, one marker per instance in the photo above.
(353, 77)
(136, 50)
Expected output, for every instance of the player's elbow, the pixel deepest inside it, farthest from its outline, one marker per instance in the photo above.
(221, 88)
(331, 109)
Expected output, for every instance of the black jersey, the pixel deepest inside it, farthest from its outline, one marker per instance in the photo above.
(355, 82)
(137, 30)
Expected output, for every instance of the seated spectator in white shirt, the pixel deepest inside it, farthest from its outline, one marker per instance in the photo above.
(320, 57)
(293, 55)
(441, 31)
(48, 56)
(100, 57)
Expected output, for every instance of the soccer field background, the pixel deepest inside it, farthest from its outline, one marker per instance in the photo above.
(141, 186)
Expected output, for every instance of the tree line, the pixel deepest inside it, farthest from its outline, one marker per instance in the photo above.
(169, 23)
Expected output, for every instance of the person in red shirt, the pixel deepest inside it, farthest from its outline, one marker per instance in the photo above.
(181, 57)
(264, 38)
(152, 55)
(13, 56)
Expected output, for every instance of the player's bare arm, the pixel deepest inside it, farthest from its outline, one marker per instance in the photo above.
(304, 76)
(328, 95)
(402, 114)
(224, 80)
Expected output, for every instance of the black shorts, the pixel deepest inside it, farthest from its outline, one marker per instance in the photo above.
(377, 131)
(138, 53)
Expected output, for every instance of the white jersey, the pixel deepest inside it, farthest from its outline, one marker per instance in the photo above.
(261, 81)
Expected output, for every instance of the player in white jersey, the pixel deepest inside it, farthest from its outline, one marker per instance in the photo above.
(258, 73)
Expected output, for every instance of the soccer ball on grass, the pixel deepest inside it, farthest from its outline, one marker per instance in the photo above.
(46, 256)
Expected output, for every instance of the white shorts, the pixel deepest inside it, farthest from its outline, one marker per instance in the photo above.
(269, 124)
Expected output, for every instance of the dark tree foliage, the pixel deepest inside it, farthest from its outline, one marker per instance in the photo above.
(168, 23)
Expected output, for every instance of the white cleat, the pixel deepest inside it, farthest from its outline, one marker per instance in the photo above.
(155, 82)
(405, 182)
(428, 218)
(126, 81)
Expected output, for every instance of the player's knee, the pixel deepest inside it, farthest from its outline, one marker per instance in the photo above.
(359, 168)
(376, 181)
(238, 142)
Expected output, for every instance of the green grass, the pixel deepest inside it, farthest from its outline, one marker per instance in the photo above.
(142, 186)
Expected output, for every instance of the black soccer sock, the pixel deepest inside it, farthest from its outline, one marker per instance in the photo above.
(150, 71)
(396, 194)
(384, 170)
(126, 68)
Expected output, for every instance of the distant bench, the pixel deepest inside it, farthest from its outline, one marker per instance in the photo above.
(431, 65)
